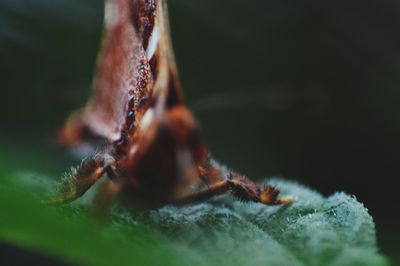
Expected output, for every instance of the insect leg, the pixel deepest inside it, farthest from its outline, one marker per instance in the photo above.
(78, 180)
(104, 197)
(241, 188)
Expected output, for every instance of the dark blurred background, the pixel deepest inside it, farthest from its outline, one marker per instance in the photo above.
(304, 89)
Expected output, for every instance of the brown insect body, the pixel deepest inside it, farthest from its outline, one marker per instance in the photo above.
(152, 148)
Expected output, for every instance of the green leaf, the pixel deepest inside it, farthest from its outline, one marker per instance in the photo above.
(314, 230)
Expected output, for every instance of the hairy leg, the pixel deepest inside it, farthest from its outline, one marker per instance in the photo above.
(102, 202)
(78, 180)
(238, 186)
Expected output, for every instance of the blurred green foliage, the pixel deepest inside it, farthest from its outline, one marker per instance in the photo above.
(313, 231)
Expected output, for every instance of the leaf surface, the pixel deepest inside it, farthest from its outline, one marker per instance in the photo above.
(314, 230)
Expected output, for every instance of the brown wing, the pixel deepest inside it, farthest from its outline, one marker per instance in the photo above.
(136, 70)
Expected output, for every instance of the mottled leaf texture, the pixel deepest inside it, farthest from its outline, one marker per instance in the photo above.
(314, 230)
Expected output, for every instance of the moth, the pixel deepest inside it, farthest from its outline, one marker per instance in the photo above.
(148, 143)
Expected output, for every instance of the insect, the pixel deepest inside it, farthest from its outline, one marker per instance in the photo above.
(149, 144)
